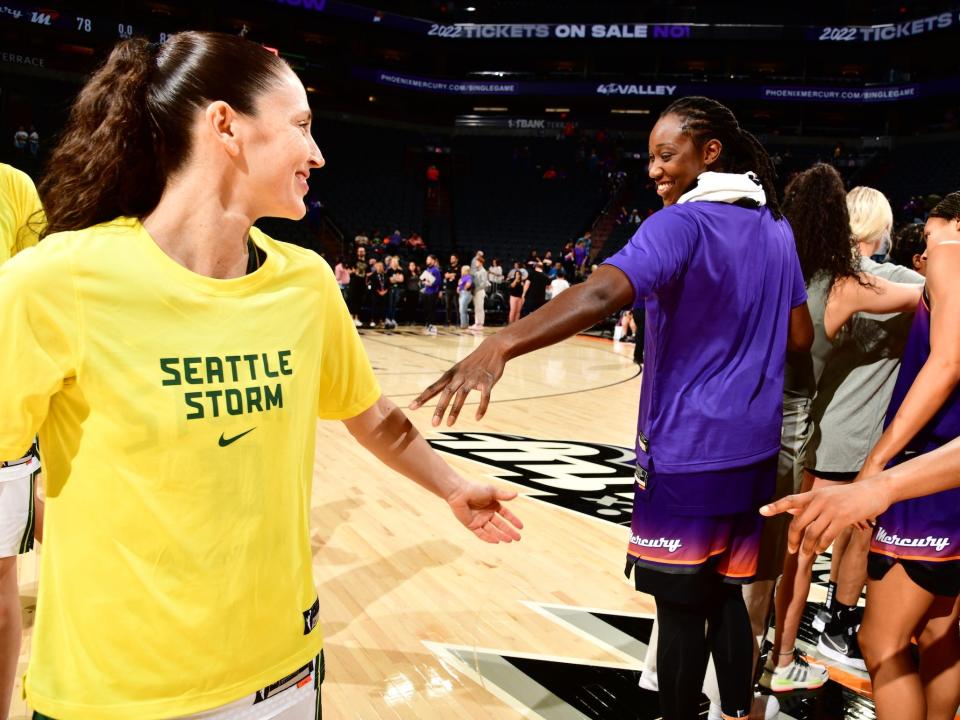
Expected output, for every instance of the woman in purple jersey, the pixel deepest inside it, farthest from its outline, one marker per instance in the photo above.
(914, 563)
(718, 272)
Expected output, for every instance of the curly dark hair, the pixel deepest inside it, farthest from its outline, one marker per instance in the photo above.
(908, 242)
(815, 203)
(706, 119)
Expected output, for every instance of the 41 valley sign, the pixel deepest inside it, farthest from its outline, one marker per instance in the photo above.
(587, 478)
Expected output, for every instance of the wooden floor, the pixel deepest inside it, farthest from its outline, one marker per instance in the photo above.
(399, 578)
(423, 621)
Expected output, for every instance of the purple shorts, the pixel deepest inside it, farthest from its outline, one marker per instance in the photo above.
(701, 522)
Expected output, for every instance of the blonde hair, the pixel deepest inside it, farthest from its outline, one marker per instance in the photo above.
(871, 216)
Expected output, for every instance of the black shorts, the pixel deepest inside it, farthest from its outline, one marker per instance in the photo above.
(679, 588)
(834, 476)
(939, 578)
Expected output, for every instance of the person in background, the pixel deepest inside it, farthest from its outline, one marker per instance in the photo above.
(580, 257)
(465, 290)
(495, 272)
(478, 256)
(21, 512)
(395, 281)
(33, 140)
(481, 283)
(451, 276)
(411, 292)
(909, 248)
(515, 282)
(357, 292)
(558, 284)
(379, 288)
(534, 290)
(342, 275)
(20, 139)
(431, 284)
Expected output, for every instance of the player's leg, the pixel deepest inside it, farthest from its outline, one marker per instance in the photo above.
(10, 630)
(681, 658)
(791, 673)
(16, 537)
(939, 641)
(896, 605)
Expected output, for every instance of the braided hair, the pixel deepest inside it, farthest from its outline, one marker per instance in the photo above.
(948, 208)
(705, 119)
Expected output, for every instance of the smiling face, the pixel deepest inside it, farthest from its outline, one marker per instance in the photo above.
(280, 151)
(674, 159)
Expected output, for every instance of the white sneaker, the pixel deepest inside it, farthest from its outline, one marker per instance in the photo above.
(432, 330)
(765, 707)
(800, 674)
(649, 681)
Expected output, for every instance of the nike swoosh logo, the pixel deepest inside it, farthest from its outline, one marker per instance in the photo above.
(223, 442)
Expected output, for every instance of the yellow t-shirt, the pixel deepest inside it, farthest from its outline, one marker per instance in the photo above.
(18, 204)
(177, 417)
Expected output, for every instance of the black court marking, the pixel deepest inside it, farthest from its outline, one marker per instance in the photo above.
(451, 363)
(600, 693)
(636, 627)
(604, 692)
(594, 478)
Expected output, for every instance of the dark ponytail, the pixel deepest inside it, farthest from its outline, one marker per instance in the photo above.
(706, 119)
(129, 128)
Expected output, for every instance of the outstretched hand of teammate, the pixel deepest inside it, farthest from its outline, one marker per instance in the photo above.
(481, 510)
(480, 370)
(820, 515)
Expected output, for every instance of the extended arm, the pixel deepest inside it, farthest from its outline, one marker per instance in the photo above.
(878, 296)
(820, 515)
(386, 432)
(573, 311)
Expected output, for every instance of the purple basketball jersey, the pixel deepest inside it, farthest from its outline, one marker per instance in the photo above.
(924, 528)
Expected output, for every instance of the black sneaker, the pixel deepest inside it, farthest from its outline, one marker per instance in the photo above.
(842, 647)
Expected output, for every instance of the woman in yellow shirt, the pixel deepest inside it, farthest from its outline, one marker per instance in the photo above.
(175, 360)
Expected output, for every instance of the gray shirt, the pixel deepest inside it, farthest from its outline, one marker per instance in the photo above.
(855, 375)
(803, 370)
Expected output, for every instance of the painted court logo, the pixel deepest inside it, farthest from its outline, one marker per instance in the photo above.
(885, 538)
(588, 478)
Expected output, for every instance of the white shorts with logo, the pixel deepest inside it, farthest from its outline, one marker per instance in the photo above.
(17, 506)
(294, 697)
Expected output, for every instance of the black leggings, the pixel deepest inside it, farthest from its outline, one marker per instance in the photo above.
(683, 646)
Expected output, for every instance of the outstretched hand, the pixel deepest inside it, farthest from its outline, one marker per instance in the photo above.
(820, 515)
(480, 509)
(480, 370)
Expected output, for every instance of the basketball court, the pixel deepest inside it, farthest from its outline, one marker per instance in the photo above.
(422, 620)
